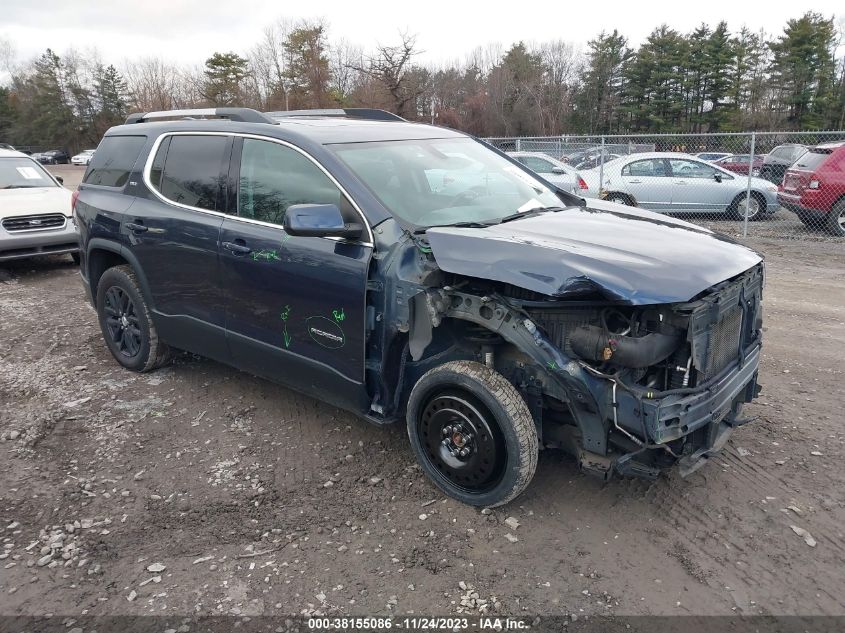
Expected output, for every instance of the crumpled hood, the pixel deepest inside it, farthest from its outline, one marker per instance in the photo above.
(31, 201)
(628, 255)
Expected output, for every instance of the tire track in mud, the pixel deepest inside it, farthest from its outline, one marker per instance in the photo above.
(742, 532)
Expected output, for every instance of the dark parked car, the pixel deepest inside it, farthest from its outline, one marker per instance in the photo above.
(779, 160)
(54, 157)
(814, 188)
(311, 248)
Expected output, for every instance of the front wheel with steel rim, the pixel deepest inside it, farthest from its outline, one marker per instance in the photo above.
(472, 433)
(125, 321)
(755, 205)
(836, 219)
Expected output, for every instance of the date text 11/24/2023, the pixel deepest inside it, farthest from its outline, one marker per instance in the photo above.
(419, 623)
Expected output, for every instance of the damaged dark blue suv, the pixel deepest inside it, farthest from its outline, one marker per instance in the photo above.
(404, 271)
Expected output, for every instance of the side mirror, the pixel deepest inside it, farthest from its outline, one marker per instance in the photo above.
(319, 220)
(558, 170)
(717, 177)
(60, 179)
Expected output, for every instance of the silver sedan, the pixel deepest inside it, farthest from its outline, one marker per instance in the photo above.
(556, 172)
(679, 183)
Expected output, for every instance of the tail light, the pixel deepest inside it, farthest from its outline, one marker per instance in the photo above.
(582, 184)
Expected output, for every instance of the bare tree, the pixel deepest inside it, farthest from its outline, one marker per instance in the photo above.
(344, 59)
(391, 66)
(155, 84)
(562, 64)
(269, 63)
(8, 58)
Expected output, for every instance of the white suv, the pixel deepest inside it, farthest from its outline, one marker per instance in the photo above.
(35, 210)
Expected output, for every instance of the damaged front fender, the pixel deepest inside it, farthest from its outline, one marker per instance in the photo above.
(560, 377)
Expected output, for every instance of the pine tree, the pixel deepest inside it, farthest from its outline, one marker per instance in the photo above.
(224, 73)
(48, 118)
(804, 70)
(307, 73)
(7, 115)
(601, 93)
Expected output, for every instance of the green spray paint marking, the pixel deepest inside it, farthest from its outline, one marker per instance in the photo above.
(266, 256)
(552, 365)
(286, 237)
(338, 315)
(285, 314)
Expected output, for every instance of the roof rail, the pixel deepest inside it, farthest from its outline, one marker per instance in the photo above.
(371, 114)
(241, 115)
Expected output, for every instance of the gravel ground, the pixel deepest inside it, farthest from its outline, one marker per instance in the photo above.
(198, 489)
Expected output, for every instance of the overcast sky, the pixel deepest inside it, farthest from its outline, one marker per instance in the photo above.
(190, 30)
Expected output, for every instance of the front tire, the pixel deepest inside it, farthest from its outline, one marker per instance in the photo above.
(125, 321)
(756, 206)
(472, 433)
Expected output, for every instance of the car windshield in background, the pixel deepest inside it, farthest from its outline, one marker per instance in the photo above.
(812, 159)
(23, 173)
(436, 182)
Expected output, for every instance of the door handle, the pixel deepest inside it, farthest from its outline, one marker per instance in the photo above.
(136, 228)
(680, 182)
(635, 182)
(237, 249)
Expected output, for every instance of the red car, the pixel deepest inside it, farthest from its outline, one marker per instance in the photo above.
(814, 188)
(738, 163)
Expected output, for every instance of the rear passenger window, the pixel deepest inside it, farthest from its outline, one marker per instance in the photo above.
(189, 169)
(274, 176)
(649, 167)
(113, 161)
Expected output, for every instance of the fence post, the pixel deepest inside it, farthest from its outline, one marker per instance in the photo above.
(518, 145)
(601, 167)
(748, 187)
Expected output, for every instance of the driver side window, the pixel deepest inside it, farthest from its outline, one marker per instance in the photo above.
(274, 177)
(649, 167)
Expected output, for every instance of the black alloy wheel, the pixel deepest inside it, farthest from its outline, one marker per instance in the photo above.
(125, 321)
(122, 322)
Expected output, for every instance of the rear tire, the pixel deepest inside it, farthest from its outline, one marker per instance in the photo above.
(128, 330)
(472, 433)
(836, 219)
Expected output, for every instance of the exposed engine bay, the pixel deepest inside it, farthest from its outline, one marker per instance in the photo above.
(627, 388)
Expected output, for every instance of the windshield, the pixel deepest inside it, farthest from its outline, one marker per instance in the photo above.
(23, 173)
(813, 159)
(437, 182)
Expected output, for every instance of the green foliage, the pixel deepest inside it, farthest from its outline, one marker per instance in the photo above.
(224, 74)
(804, 71)
(307, 71)
(7, 114)
(599, 102)
(58, 104)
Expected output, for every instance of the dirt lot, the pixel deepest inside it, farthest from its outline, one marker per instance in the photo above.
(201, 490)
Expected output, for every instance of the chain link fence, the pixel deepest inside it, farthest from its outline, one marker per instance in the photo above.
(773, 185)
